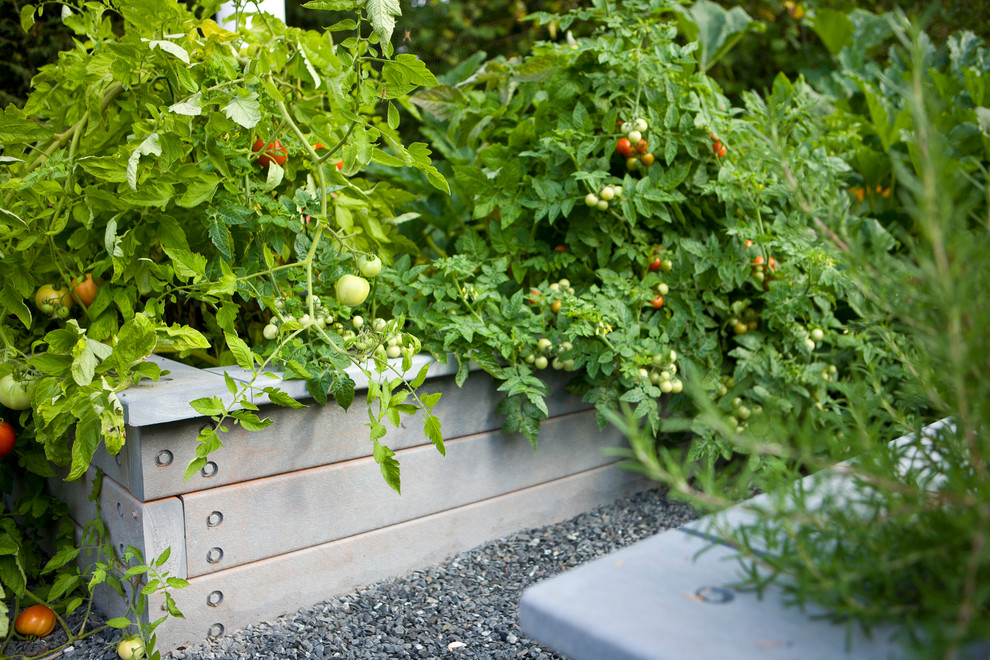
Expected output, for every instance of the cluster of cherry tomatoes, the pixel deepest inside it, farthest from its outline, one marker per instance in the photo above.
(741, 413)
(275, 152)
(745, 321)
(634, 147)
(762, 268)
(718, 148)
(57, 301)
(541, 355)
(604, 196)
(661, 370)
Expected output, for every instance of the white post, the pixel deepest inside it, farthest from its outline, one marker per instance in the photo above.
(274, 7)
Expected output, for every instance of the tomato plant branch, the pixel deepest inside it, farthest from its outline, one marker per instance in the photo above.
(311, 152)
(60, 139)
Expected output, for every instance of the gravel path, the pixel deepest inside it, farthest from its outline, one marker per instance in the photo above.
(463, 608)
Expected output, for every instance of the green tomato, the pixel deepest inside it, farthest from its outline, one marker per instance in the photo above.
(15, 394)
(130, 649)
(270, 332)
(352, 290)
(369, 267)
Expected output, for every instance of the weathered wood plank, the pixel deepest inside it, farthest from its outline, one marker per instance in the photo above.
(150, 527)
(154, 458)
(271, 516)
(263, 590)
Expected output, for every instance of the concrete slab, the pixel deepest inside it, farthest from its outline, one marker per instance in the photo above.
(271, 516)
(661, 600)
(664, 598)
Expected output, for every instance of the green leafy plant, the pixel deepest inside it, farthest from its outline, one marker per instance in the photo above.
(898, 536)
(173, 186)
(627, 222)
(60, 582)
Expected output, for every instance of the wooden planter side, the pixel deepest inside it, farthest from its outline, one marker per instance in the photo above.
(162, 428)
(299, 512)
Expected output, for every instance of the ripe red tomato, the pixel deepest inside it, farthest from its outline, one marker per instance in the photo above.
(655, 265)
(318, 145)
(758, 261)
(275, 153)
(7, 438)
(721, 151)
(624, 147)
(340, 165)
(37, 620)
(84, 290)
(716, 145)
(642, 146)
(749, 243)
(657, 302)
(772, 263)
(561, 248)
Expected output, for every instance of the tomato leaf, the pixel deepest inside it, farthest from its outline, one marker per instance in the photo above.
(385, 458)
(119, 622)
(150, 146)
(187, 264)
(210, 406)
(382, 15)
(245, 110)
(431, 426)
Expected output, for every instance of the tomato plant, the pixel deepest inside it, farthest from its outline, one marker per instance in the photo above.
(37, 620)
(7, 438)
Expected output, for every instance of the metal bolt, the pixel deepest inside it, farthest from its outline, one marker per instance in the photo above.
(215, 598)
(714, 595)
(214, 519)
(209, 470)
(214, 555)
(216, 630)
(164, 458)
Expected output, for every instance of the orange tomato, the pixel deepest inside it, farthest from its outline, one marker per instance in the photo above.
(84, 291)
(37, 620)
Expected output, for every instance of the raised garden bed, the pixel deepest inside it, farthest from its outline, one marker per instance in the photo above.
(289, 516)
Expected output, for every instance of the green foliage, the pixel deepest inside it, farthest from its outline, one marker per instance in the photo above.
(898, 536)
(27, 577)
(528, 140)
(210, 181)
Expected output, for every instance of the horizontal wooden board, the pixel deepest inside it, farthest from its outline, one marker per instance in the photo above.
(271, 516)
(154, 458)
(149, 527)
(263, 590)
